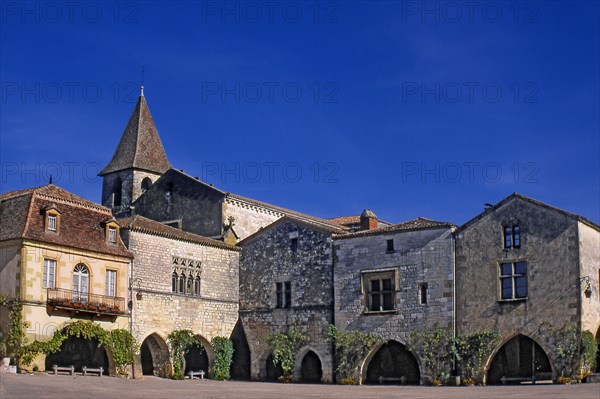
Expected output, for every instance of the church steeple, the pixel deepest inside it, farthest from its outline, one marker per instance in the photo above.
(138, 161)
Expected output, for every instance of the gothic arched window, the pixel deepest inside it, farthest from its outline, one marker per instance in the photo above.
(197, 286)
(146, 183)
(117, 191)
(182, 284)
(174, 282)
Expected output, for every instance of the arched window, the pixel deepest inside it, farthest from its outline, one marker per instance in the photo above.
(117, 191)
(190, 285)
(197, 286)
(81, 276)
(182, 284)
(146, 183)
(174, 282)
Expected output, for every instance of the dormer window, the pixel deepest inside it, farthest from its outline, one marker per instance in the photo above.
(52, 216)
(112, 235)
(111, 231)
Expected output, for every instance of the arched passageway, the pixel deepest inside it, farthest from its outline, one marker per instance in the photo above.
(273, 371)
(393, 364)
(79, 352)
(196, 359)
(519, 359)
(240, 365)
(154, 355)
(311, 370)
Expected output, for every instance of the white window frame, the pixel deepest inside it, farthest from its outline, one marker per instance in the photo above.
(111, 283)
(112, 235)
(52, 222)
(49, 279)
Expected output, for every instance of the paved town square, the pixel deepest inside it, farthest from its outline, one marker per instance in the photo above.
(42, 386)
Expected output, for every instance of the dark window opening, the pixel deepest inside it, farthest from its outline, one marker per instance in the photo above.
(294, 244)
(423, 294)
(390, 245)
(512, 236)
(283, 295)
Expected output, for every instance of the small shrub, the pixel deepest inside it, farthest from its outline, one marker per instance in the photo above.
(286, 379)
(223, 348)
(348, 381)
(468, 382)
(178, 376)
(437, 382)
(563, 380)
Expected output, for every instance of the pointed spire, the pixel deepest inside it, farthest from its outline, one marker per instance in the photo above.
(140, 146)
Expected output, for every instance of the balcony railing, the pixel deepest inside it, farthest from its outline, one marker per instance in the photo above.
(85, 302)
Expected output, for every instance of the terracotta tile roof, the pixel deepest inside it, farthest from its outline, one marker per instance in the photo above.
(81, 221)
(419, 223)
(140, 146)
(514, 196)
(149, 226)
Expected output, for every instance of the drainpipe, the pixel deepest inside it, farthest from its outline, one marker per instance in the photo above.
(453, 241)
(131, 312)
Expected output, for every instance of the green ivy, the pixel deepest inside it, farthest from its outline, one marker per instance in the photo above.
(285, 348)
(351, 349)
(438, 350)
(589, 350)
(180, 342)
(120, 342)
(472, 349)
(16, 337)
(223, 348)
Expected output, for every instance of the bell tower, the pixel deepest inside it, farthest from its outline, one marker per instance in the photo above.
(138, 161)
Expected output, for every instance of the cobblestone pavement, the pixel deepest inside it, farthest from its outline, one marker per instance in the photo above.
(42, 386)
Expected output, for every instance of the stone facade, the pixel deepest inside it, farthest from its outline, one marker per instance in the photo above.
(421, 257)
(126, 185)
(557, 249)
(158, 311)
(270, 258)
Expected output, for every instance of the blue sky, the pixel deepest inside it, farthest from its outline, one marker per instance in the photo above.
(407, 108)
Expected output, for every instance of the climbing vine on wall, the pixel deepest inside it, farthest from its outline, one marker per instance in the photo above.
(471, 350)
(180, 342)
(223, 348)
(351, 349)
(16, 337)
(438, 350)
(120, 342)
(285, 348)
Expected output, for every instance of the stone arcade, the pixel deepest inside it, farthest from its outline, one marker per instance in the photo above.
(186, 255)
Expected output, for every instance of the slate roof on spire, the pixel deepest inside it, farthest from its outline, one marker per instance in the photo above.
(140, 146)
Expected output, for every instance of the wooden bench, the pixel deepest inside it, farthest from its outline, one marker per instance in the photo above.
(517, 379)
(401, 380)
(57, 369)
(87, 370)
(193, 374)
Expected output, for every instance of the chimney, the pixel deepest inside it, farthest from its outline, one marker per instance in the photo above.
(368, 220)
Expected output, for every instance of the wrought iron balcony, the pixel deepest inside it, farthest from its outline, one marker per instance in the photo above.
(86, 302)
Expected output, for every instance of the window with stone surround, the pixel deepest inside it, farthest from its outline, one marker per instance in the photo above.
(49, 273)
(186, 275)
(283, 294)
(512, 236)
(513, 280)
(379, 289)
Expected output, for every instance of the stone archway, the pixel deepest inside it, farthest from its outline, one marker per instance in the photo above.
(519, 359)
(79, 352)
(273, 372)
(392, 363)
(197, 358)
(241, 362)
(154, 354)
(311, 370)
